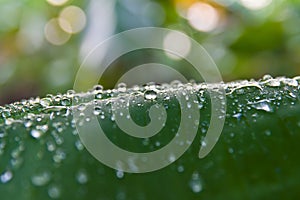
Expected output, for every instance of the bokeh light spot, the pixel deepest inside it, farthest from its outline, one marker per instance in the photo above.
(57, 2)
(177, 42)
(203, 17)
(54, 34)
(255, 4)
(72, 19)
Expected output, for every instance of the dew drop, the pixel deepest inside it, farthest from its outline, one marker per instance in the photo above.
(263, 105)
(79, 146)
(237, 116)
(81, 177)
(292, 95)
(50, 146)
(273, 83)
(267, 77)
(122, 87)
(150, 95)
(172, 157)
(66, 102)
(45, 102)
(98, 88)
(41, 179)
(268, 132)
(2, 133)
(290, 82)
(6, 176)
(36, 133)
(97, 110)
(195, 183)
(180, 168)
(54, 192)
(119, 174)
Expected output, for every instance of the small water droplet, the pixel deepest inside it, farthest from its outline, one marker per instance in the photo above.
(290, 82)
(237, 116)
(59, 156)
(54, 192)
(6, 176)
(41, 179)
(172, 157)
(268, 132)
(150, 95)
(36, 133)
(292, 95)
(50, 146)
(119, 174)
(273, 83)
(230, 150)
(122, 87)
(66, 102)
(263, 105)
(97, 110)
(267, 77)
(81, 177)
(98, 87)
(195, 183)
(79, 146)
(180, 168)
(45, 102)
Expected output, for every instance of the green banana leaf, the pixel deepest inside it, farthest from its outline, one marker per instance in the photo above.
(256, 157)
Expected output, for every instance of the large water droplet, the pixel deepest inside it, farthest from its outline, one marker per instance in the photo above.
(150, 95)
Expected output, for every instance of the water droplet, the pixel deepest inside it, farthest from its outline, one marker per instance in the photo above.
(150, 95)
(195, 183)
(172, 157)
(66, 102)
(290, 82)
(36, 133)
(98, 87)
(230, 150)
(50, 146)
(180, 168)
(79, 146)
(189, 105)
(45, 102)
(54, 192)
(41, 179)
(267, 77)
(2, 133)
(292, 95)
(81, 177)
(268, 132)
(262, 105)
(119, 174)
(97, 110)
(237, 116)
(273, 83)
(122, 87)
(6, 176)
(59, 156)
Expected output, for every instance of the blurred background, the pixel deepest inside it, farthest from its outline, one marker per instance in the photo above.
(43, 42)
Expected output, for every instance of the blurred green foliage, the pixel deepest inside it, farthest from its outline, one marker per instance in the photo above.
(247, 42)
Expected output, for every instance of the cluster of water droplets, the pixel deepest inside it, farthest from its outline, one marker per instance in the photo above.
(42, 118)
